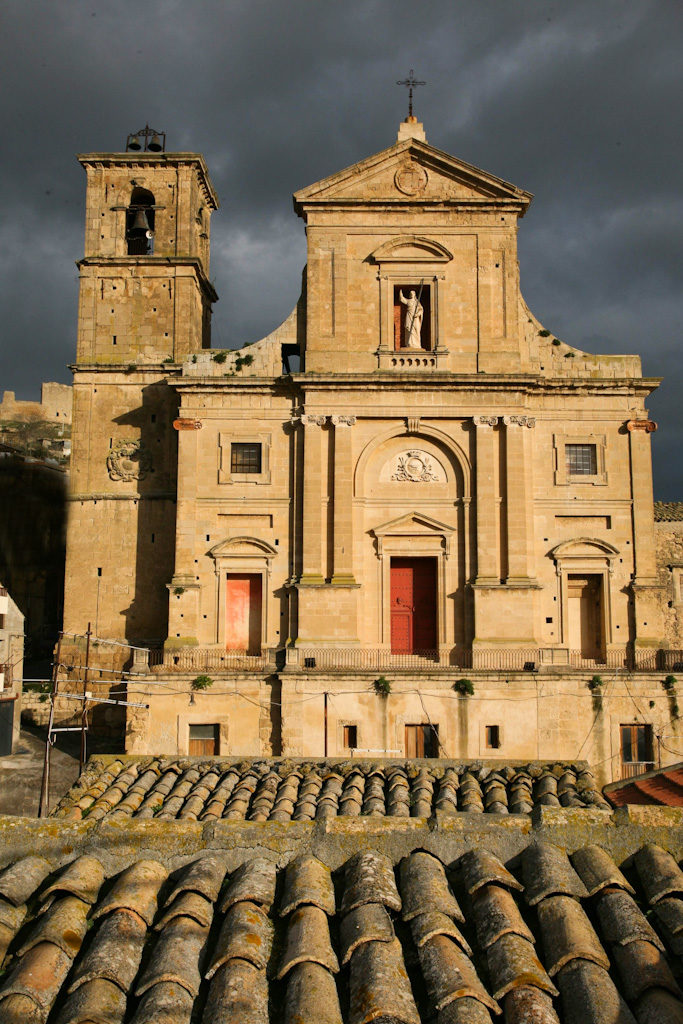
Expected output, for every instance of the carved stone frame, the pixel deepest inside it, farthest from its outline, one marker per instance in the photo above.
(226, 440)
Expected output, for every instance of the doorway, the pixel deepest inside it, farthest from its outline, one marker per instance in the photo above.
(413, 605)
(584, 611)
(243, 612)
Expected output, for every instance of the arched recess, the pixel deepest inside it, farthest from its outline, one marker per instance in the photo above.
(247, 558)
(456, 456)
(140, 222)
(584, 568)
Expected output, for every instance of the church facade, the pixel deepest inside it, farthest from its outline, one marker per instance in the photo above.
(410, 521)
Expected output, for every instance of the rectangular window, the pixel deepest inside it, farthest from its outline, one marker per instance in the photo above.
(422, 740)
(581, 459)
(493, 736)
(245, 457)
(636, 750)
(203, 740)
(351, 736)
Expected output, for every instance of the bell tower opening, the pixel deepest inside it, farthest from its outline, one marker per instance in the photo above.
(140, 223)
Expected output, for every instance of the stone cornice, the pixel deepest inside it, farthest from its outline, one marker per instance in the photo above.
(133, 160)
(154, 261)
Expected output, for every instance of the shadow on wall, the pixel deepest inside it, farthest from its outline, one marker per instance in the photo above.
(152, 474)
(33, 547)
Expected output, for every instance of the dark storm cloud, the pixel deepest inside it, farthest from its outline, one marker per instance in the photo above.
(578, 102)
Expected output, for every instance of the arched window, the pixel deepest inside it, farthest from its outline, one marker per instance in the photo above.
(140, 223)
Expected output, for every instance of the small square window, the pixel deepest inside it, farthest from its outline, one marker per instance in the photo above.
(581, 459)
(493, 736)
(245, 457)
(351, 737)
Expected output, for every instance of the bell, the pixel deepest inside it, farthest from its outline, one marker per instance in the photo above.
(140, 223)
(134, 144)
(155, 145)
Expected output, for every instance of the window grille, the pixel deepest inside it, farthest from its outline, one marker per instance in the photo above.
(581, 459)
(245, 457)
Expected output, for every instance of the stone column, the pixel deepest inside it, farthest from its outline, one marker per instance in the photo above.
(312, 512)
(487, 541)
(519, 518)
(343, 505)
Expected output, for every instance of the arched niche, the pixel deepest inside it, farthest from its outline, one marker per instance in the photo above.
(242, 556)
(381, 458)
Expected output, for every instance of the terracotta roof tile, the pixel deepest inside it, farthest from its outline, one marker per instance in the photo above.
(280, 790)
(367, 923)
(424, 886)
(261, 943)
(668, 511)
(547, 871)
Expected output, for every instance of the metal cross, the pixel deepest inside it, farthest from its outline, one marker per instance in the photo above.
(411, 83)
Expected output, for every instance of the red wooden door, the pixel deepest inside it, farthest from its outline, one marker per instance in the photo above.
(243, 613)
(413, 605)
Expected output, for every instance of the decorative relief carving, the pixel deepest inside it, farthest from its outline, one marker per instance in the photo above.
(415, 467)
(310, 420)
(413, 424)
(343, 420)
(129, 460)
(485, 421)
(519, 421)
(411, 179)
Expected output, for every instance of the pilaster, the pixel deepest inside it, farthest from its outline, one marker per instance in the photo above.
(519, 520)
(312, 512)
(343, 510)
(487, 543)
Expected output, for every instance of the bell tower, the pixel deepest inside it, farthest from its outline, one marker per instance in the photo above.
(144, 306)
(145, 294)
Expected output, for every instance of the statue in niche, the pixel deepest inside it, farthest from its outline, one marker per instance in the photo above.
(413, 324)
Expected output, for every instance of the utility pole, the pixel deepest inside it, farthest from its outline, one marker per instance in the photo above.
(43, 807)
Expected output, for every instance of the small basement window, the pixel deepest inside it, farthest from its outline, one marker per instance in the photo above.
(245, 457)
(351, 737)
(581, 459)
(493, 737)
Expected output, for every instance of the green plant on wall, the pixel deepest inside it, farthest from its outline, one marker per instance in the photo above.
(382, 686)
(669, 684)
(595, 683)
(465, 687)
(202, 682)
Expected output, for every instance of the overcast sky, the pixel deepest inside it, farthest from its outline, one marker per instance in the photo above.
(578, 101)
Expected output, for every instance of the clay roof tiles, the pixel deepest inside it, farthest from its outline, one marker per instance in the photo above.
(668, 511)
(282, 790)
(370, 941)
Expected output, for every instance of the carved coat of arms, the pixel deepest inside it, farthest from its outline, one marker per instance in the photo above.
(128, 460)
(414, 467)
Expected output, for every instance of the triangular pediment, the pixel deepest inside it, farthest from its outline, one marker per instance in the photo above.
(411, 171)
(412, 524)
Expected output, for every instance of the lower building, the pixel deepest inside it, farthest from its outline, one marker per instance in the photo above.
(11, 670)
